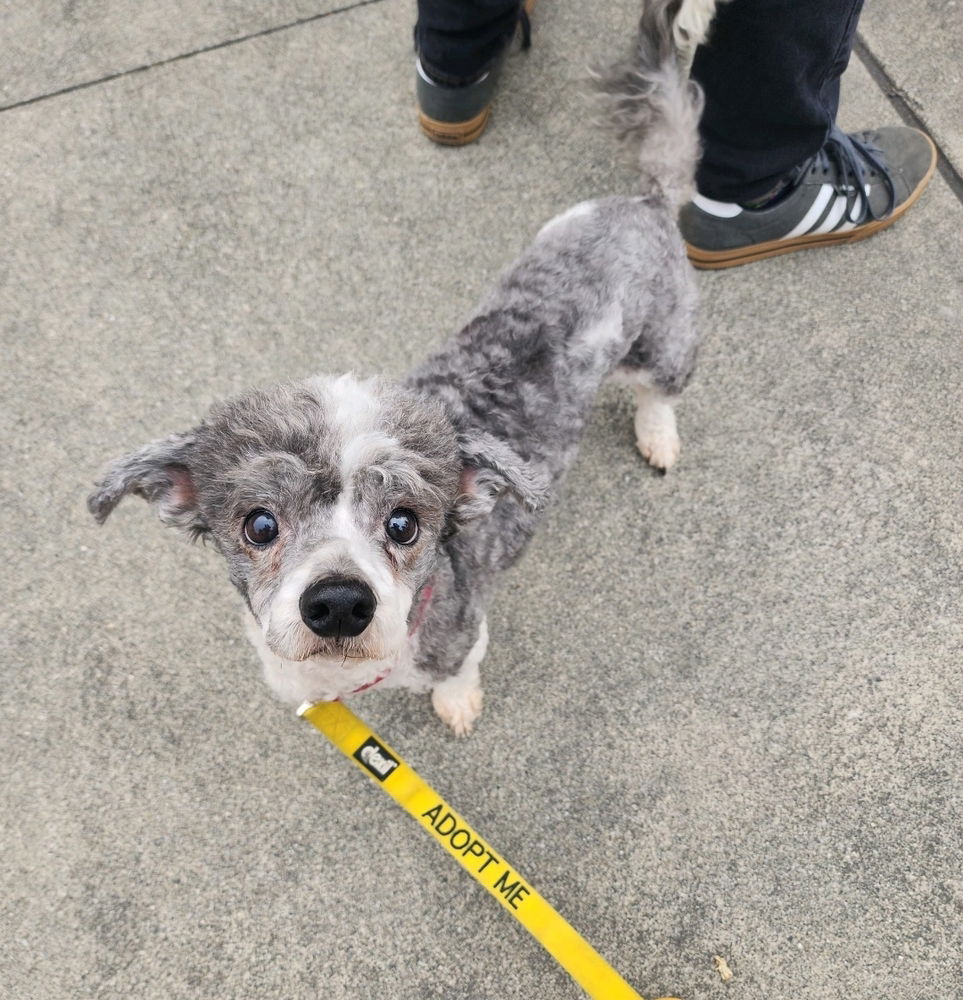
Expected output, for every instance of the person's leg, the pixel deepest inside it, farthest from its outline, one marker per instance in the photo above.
(461, 45)
(777, 173)
(770, 72)
(458, 40)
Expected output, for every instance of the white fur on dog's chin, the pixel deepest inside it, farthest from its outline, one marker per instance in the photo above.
(325, 679)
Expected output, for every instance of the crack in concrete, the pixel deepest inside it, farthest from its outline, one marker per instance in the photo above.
(904, 108)
(274, 29)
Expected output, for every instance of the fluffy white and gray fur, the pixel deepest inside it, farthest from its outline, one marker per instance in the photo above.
(470, 447)
(690, 28)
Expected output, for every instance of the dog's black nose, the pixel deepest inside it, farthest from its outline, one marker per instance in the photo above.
(337, 608)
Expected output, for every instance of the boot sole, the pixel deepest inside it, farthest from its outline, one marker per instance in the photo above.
(461, 133)
(455, 133)
(715, 260)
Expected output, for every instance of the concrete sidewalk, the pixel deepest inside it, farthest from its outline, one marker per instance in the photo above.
(754, 751)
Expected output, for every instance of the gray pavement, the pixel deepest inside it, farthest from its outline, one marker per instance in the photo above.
(747, 743)
(920, 47)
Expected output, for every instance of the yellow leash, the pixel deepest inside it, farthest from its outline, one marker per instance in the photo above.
(384, 766)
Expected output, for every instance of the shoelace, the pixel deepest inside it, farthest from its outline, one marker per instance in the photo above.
(845, 153)
(526, 26)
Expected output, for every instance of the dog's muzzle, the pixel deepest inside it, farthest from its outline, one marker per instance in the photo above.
(338, 608)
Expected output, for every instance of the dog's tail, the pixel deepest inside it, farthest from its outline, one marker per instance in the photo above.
(650, 100)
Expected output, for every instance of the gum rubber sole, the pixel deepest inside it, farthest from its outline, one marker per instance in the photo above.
(713, 260)
(455, 133)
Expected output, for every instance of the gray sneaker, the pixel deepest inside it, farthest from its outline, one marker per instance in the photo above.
(853, 187)
(455, 116)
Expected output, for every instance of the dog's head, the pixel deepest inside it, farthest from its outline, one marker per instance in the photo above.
(329, 499)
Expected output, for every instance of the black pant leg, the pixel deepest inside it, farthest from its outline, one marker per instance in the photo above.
(770, 71)
(458, 39)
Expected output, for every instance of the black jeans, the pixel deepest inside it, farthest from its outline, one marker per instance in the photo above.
(459, 39)
(770, 72)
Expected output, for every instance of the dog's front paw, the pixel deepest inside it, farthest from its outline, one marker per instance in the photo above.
(458, 705)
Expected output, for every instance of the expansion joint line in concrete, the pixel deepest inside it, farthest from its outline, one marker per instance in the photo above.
(907, 112)
(273, 30)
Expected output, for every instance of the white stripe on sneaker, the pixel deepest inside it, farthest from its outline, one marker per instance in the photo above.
(832, 219)
(813, 215)
(857, 211)
(720, 209)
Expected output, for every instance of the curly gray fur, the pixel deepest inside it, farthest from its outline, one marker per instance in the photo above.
(476, 440)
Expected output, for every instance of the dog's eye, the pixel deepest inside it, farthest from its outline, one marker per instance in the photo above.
(260, 527)
(402, 526)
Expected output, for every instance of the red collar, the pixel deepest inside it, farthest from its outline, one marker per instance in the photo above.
(370, 684)
(424, 599)
(427, 592)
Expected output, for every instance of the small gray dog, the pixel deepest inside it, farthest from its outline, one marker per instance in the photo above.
(365, 521)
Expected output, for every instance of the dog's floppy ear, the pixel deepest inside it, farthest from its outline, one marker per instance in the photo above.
(489, 469)
(160, 473)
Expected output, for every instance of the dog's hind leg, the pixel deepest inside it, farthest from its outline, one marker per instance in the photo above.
(458, 699)
(656, 434)
(657, 367)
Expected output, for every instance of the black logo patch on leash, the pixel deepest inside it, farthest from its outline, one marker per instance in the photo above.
(373, 757)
